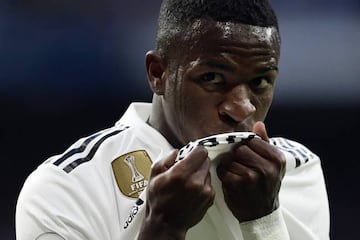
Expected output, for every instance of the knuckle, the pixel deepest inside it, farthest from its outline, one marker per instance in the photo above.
(196, 187)
(281, 159)
(156, 167)
(273, 175)
(233, 182)
(208, 191)
(211, 197)
(154, 185)
(177, 178)
(252, 176)
(200, 151)
(241, 149)
(271, 170)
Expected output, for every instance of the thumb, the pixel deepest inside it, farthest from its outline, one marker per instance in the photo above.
(259, 129)
(164, 164)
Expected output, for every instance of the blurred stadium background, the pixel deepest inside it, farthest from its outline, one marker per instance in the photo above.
(70, 67)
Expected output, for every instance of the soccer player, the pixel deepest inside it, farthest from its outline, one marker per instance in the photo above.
(213, 71)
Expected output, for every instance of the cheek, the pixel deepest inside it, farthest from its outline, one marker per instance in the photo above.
(199, 105)
(267, 99)
(193, 104)
(263, 104)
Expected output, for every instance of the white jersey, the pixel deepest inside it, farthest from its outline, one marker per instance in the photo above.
(95, 190)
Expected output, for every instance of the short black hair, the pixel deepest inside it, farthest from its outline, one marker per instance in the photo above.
(176, 15)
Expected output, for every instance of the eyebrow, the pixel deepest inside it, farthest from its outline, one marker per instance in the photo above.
(218, 65)
(269, 68)
(226, 67)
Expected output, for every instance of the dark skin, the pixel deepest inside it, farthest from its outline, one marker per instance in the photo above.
(224, 84)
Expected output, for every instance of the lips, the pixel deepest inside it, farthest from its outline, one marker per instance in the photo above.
(242, 127)
(208, 128)
(227, 130)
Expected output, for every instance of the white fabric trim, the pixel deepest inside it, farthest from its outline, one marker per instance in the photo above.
(269, 227)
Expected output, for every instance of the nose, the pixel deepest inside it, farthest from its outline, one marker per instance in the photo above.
(237, 105)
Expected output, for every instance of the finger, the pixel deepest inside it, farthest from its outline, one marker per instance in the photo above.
(209, 190)
(164, 164)
(260, 129)
(244, 156)
(273, 164)
(234, 167)
(200, 176)
(192, 162)
(208, 180)
(266, 151)
(235, 174)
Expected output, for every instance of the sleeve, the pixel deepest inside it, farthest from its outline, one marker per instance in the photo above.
(304, 211)
(303, 196)
(270, 227)
(53, 201)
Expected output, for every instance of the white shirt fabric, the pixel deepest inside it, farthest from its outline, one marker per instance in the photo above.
(77, 195)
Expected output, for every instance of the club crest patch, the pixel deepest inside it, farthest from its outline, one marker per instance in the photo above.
(132, 171)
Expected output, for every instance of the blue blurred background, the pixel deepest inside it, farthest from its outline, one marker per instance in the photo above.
(69, 68)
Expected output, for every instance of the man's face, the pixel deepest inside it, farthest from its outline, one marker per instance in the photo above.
(222, 80)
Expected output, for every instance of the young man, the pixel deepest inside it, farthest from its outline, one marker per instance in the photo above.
(213, 71)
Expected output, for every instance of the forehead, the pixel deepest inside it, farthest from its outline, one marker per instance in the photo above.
(207, 35)
(246, 33)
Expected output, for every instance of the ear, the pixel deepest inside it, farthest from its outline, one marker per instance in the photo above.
(155, 69)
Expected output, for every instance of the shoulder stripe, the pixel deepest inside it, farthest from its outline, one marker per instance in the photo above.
(296, 151)
(295, 155)
(300, 153)
(76, 150)
(71, 166)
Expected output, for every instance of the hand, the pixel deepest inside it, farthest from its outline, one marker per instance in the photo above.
(251, 176)
(178, 195)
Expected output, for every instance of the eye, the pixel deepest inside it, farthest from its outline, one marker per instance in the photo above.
(261, 83)
(213, 78)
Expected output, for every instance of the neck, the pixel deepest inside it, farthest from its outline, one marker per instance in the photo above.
(159, 122)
